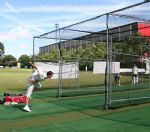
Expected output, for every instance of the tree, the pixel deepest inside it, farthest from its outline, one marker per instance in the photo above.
(2, 46)
(1, 49)
(9, 60)
(93, 51)
(131, 49)
(52, 56)
(24, 60)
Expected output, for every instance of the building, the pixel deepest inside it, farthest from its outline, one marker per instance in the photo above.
(117, 33)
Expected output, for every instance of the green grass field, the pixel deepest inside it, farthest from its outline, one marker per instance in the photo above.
(16, 80)
(71, 114)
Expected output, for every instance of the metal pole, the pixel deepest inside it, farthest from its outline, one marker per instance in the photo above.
(58, 41)
(148, 60)
(107, 65)
(57, 26)
(33, 50)
(110, 71)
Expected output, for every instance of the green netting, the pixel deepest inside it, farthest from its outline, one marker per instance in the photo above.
(81, 80)
(123, 35)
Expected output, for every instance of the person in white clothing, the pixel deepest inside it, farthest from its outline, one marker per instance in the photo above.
(146, 60)
(34, 82)
(135, 74)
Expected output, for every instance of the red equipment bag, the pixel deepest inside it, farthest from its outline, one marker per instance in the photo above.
(16, 99)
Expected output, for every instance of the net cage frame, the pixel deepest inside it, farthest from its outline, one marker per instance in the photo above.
(79, 34)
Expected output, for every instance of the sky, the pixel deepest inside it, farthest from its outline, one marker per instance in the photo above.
(21, 20)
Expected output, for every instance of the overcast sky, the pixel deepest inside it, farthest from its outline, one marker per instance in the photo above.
(20, 20)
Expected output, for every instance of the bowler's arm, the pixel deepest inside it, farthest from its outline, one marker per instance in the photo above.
(33, 66)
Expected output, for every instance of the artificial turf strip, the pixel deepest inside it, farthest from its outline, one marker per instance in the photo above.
(122, 120)
(49, 106)
(71, 114)
(88, 125)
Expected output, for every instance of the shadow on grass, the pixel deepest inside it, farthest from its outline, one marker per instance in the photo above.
(19, 107)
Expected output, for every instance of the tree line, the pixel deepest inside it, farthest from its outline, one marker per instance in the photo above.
(133, 45)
